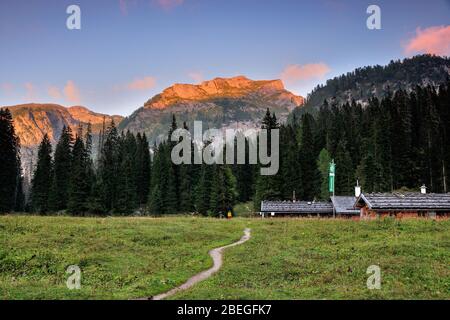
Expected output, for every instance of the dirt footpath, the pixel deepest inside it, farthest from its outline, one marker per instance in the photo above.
(216, 255)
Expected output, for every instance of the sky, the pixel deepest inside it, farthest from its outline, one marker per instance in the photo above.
(126, 51)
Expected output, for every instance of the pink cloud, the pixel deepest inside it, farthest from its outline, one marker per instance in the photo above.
(123, 7)
(169, 4)
(54, 92)
(7, 87)
(196, 76)
(142, 84)
(296, 73)
(71, 92)
(433, 40)
(30, 91)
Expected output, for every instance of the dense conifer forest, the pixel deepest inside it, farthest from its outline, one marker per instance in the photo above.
(378, 81)
(398, 142)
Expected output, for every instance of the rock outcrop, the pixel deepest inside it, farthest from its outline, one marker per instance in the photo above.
(33, 120)
(236, 102)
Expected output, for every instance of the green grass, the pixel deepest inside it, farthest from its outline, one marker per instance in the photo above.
(326, 259)
(120, 258)
(244, 210)
(124, 258)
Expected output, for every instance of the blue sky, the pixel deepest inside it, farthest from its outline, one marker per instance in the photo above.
(129, 50)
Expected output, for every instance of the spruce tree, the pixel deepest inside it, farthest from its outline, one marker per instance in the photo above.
(42, 178)
(171, 181)
(344, 180)
(401, 137)
(308, 160)
(368, 170)
(79, 188)
(244, 173)
(19, 206)
(10, 171)
(62, 171)
(90, 169)
(156, 203)
(142, 167)
(203, 190)
(268, 187)
(108, 169)
(172, 199)
(223, 191)
(126, 196)
(323, 163)
(289, 176)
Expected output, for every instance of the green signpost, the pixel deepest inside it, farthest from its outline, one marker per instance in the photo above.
(331, 176)
(331, 181)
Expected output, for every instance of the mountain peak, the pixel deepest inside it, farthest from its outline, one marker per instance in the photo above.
(85, 115)
(32, 120)
(235, 87)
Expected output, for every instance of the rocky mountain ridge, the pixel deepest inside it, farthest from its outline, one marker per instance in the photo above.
(237, 102)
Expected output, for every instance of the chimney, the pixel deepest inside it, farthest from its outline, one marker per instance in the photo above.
(357, 189)
(423, 189)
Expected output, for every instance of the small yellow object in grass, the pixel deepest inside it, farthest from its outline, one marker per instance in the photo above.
(229, 215)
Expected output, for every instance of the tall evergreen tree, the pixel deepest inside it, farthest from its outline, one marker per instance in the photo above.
(20, 195)
(143, 168)
(244, 173)
(268, 187)
(203, 190)
(108, 170)
(344, 179)
(156, 201)
(61, 171)
(401, 137)
(223, 191)
(10, 171)
(170, 181)
(323, 163)
(127, 196)
(79, 188)
(186, 180)
(90, 168)
(42, 178)
(308, 160)
(173, 173)
(289, 177)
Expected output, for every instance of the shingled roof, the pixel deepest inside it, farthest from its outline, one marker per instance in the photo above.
(344, 205)
(300, 207)
(401, 201)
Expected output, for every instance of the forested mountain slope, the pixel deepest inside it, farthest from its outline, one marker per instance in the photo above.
(378, 81)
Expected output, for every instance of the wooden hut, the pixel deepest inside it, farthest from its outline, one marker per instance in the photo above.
(400, 205)
(295, 208)
(344, 207)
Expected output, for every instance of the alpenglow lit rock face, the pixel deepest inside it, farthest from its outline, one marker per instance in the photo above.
(220, 103)
(33, 120)
(236, 102)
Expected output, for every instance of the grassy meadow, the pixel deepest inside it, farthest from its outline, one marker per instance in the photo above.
(126, 258)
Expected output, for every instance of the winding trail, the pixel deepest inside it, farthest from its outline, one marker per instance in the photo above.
(216, 255)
